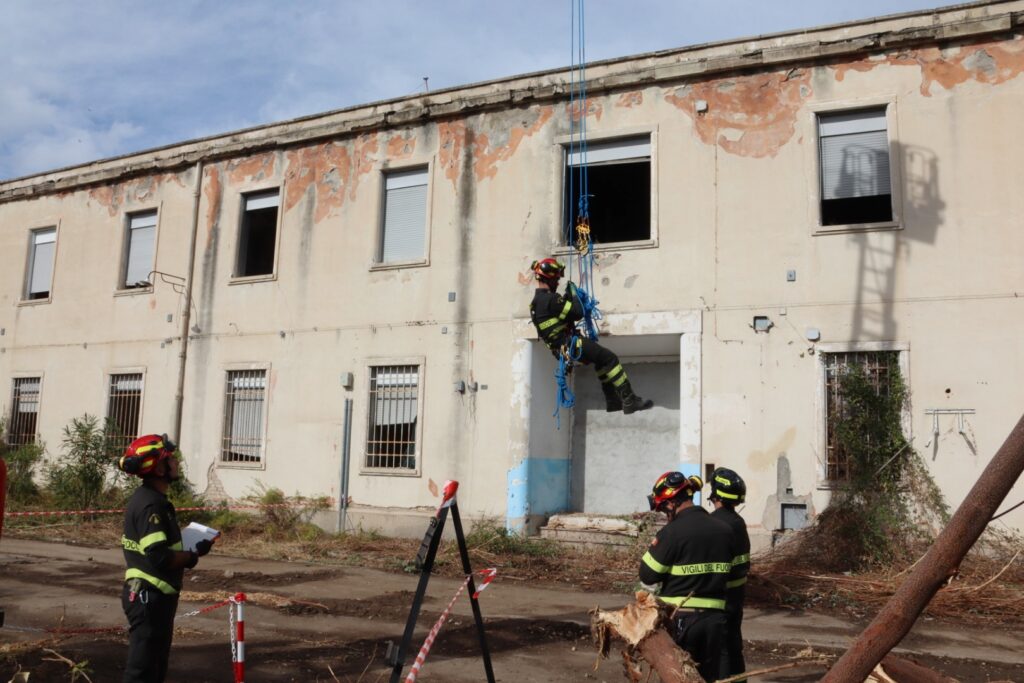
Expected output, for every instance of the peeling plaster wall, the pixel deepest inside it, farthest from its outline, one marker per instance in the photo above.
(735, 207)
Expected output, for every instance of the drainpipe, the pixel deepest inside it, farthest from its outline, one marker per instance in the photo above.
(346, 449)
(186, 318)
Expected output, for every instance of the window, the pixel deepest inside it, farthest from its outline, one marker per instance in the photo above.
(403, 235)
(618, 185)
(393, 414)
(878, 367)
(42, 247)
(243, 416)
(124, 404)
(854, 157)
(257, 237)
(140, 246)
(21, 430)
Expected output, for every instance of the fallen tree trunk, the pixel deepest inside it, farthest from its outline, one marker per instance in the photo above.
(641, 625)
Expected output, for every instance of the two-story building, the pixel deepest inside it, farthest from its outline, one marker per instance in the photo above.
(337, 305)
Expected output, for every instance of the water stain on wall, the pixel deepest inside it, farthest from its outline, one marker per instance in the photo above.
(115, 197)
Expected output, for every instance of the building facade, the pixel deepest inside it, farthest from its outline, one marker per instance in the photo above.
(338, 304)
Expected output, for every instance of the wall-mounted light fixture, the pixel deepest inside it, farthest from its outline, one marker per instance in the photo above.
(762, 323)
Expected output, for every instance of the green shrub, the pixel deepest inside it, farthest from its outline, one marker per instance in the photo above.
(283, 514)
(21, 469)
(490, 536)
(85, 476)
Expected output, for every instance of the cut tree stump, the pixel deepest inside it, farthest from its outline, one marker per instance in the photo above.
(641, 626)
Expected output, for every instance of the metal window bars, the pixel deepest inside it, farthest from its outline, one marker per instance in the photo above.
(124, 404)
(392, 417)
(245, 393)
(21, 431)
(877, 369)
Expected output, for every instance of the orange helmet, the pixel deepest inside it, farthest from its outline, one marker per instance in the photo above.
(548, 270)
(673, 484)
(143, 454)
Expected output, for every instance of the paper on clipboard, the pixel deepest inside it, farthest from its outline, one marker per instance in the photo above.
(195, 532)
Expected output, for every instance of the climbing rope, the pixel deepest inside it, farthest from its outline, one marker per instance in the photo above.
(577, 228)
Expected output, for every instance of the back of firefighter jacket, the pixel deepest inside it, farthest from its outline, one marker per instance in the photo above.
(554, 316)
(741, 561)
(690, 556)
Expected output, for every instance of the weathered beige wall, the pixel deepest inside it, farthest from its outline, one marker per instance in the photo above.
(735, 208)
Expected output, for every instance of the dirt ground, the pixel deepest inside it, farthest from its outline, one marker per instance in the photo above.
(313, 622)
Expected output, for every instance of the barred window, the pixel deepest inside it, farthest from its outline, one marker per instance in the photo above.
(124, 403)
(877, 369)
(393, 414)
(243, 416)
(24, 411)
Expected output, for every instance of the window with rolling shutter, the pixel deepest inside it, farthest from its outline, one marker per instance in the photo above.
(242, 439)
(141, 248)
(403, 235)
(257, 235)
(856, 186)
(618, 187)
(42, 248)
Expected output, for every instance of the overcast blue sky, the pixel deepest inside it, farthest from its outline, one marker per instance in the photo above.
(81, 81)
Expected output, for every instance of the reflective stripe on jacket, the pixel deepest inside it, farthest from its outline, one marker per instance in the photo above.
(151, 534)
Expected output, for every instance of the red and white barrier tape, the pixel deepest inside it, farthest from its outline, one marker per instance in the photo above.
(421, 657)
(54, 513)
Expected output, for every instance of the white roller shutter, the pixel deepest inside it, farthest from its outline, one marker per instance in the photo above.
(619, 151)
(141, 248)
(44, 246)
(405, 216)
(854, 150)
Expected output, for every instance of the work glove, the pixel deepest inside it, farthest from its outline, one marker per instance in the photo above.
(193, 560)
(570, 289)
(203, 547)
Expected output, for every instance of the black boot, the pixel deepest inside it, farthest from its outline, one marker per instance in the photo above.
(612, 402)
(631, 403)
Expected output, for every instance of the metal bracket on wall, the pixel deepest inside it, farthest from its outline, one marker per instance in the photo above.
(959, 412)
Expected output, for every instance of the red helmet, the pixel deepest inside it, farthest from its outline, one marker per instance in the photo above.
(673, 484)
(548, 270)
(143, 454)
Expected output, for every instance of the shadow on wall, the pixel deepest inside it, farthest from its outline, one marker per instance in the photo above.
(864, 180)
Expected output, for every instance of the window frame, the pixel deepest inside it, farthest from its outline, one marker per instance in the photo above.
(9, 413)
(264, 448)
(561, 156)
(823, 483)
(26, 283)
(389, 361)
(109, 375)
(126, 232)
(813, 161)
(378, 243)
(243, 194)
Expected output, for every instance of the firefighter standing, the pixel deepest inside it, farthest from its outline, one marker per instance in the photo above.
(154, 557)
(691, 558)
(727, 491)
(555, 317)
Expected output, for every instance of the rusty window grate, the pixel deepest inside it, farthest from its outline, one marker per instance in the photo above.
(25, 393)
(877, 366)
(124, 404)
(245, 393)
(392, 417)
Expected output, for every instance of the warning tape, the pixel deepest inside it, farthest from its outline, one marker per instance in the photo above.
(54, 513)
(421, 657)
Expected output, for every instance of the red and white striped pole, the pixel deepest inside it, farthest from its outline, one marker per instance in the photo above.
(238, 639)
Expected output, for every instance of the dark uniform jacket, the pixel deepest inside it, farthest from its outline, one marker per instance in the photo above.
(151, 534)
(692, 554)
(555, 316)
(741, 561)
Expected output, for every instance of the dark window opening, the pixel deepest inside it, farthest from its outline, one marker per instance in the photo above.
(876, 209)
(257, 239)
(620, 201)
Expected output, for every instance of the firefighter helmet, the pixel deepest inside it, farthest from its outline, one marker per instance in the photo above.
(548, 270)
(143, 454)
(727, 486)
(672, 485)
